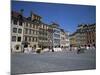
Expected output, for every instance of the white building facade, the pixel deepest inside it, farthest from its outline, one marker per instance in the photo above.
(67, 39)
(56, 37)
(64, 40)
(16, 32)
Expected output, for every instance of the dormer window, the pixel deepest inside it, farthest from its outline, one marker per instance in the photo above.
(20, 17)
(15, 22)
(20, 23)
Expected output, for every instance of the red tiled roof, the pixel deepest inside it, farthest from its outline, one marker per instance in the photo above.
(15, 14)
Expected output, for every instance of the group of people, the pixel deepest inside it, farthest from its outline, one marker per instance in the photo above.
(28, 49)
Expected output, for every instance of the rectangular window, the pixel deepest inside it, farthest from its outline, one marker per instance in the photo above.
(19, 30)
(29, 38)
(15, 22)
(30, 25)
(36, 40)
(93, 41)
(36, 32)
(33, 32)
(45, 38)
(20, 23)
(33, 39)
(26, 24)
(33, 26)
(30, 31)
(39, 39)
(26, 31)
(25, 38)
(19, 39)
(36, 27)
(13, 38)
(15, 30)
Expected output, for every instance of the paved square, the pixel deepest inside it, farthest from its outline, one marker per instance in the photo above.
(22, 63)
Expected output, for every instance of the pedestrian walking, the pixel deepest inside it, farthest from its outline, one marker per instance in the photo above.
(29, 49)
(52, 50)
(25, 50)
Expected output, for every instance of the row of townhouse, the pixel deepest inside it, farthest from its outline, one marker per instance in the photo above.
(31, 31)
(85, 36)
(60, 37)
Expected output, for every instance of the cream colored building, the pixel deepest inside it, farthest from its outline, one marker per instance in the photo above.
(35, 32)
(64, 41)
(43, 36)
(16, 32)
(30, 34)
(50, 37)
(73, 40)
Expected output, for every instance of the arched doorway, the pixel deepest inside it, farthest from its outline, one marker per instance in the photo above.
(17, 47)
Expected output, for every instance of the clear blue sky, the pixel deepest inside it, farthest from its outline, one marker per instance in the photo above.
(66, 15)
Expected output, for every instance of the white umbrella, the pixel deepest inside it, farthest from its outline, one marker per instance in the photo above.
(38, 48)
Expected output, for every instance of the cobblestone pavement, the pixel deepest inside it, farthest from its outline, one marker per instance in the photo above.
(22, 63)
